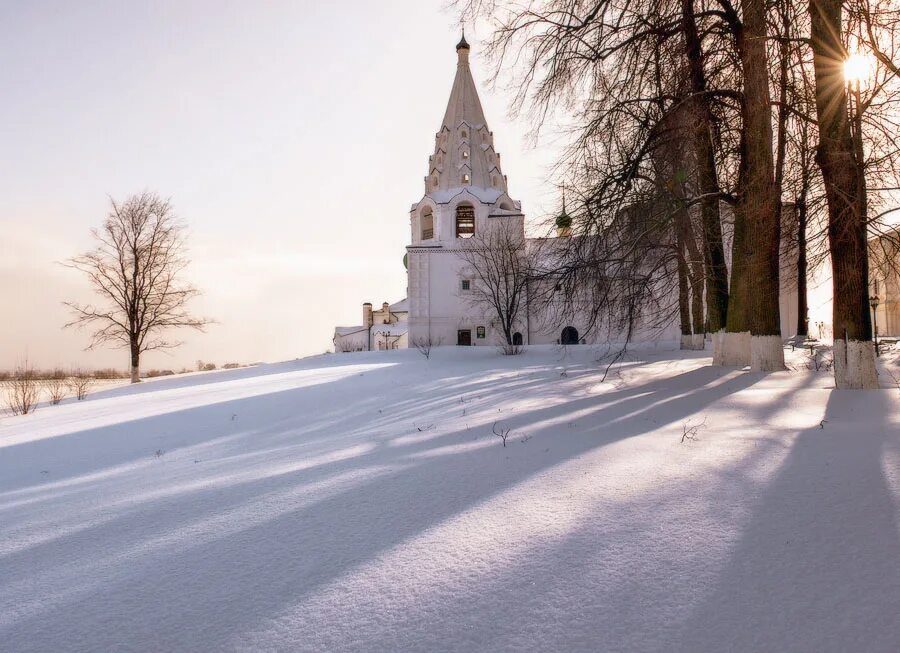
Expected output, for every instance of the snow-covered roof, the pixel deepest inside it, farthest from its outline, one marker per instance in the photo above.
(486, 195)
(506, 213)
(346, 331)
(400, 307)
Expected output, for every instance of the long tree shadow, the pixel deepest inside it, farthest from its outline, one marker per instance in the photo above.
(818, 566)
(288, 552)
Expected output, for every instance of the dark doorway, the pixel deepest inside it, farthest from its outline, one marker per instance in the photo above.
(517, 338)
(569, 336)
(464, 337)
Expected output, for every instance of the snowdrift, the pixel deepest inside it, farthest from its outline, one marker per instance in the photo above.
(363, 502)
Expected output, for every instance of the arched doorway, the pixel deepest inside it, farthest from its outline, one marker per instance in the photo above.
(569, 336)
(517, 338)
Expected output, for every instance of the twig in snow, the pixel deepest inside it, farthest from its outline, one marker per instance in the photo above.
(689, 432)
(424, 428)
(502, 433)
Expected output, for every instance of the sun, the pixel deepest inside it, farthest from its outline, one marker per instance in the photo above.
(858, 68)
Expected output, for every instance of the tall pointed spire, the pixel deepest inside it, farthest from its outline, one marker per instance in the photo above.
(464, 153)
(464, 103)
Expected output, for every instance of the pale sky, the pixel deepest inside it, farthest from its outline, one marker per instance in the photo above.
(291, 136)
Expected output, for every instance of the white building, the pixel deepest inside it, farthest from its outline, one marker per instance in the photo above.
(384, 328)
(465, 193)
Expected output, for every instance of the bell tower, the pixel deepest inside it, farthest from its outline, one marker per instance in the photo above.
(465, 192)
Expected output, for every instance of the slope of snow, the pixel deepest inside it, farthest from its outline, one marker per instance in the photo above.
(361, 502)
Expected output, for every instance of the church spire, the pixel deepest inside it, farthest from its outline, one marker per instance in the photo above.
(464, 103)
(464, 153)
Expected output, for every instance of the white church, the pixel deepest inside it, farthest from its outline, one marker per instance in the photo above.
(466, 193)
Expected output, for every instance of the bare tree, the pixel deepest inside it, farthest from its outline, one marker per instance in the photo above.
(80, 383)
(424, 344)
(501, 269)
(23, 390)
(136, 269)
(56, 389)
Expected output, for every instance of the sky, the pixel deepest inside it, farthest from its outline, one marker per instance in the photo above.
(291, 137)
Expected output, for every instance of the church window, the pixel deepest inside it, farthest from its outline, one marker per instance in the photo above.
(479, 332)
(465, 179)
(494, 181)
(434, 181)
(427, 224)
(465, 221)
(465, 284)
(465, 134)
(465, 154)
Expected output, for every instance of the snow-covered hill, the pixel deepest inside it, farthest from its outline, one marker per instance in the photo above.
(362, 502)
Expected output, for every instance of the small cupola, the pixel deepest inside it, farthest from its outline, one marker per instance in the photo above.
(563, 222)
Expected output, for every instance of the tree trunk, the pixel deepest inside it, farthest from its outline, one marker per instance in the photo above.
(717, 299)
(684, 307)
(690, 267)
(135, 363)
(844, 177)
(760, 200)
(802, 302)
(736, 341)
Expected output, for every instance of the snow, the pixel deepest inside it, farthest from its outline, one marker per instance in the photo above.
(361, 502)
(401, 306)
(347, 331)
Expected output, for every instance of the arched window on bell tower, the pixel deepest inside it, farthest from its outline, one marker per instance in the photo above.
(427, 224)
(465, 221)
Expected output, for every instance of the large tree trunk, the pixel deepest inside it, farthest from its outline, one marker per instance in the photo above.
(842, 172)
(714, 252)
(760, 200)
(135, 363)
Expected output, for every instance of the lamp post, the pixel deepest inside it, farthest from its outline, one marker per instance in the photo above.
(873, 302)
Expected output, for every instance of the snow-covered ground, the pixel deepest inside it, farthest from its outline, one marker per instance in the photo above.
(361, 502)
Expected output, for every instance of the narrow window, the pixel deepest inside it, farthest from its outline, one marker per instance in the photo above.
(427, 224)
(465, 284)
(465, 154)
(465, 220)
(434, 181)
(479, 332)
(465, 134)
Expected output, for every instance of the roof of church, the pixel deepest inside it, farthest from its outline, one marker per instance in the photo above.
(464, 104)
(346, 331)
(464, 155)
(401, 306)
